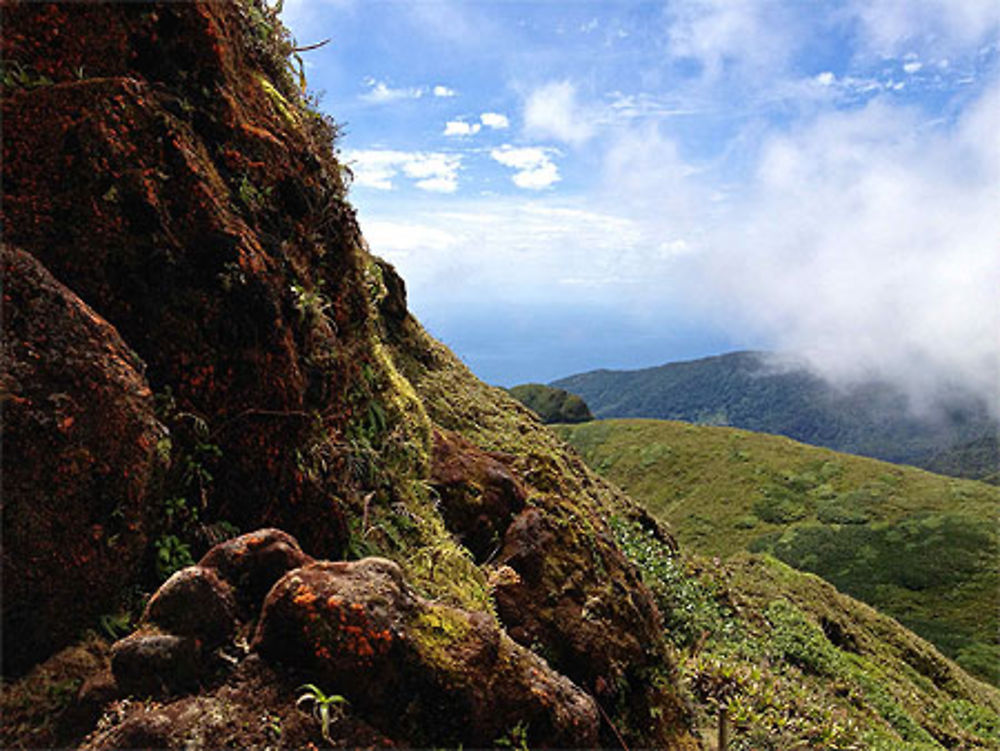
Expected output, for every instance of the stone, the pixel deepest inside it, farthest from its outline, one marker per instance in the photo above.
(433, 673)
(194, 602)
(479, 494)
(79, 442)
(253, 562)
(151, 663)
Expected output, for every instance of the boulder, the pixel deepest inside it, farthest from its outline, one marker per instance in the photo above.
(479, 494)
(194, 602)
(79, 453)
(149, 662)
(253, 562)
(434, 673)
(568, 591)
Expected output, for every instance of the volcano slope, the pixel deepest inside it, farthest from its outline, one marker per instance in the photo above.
(224, 428)
(197, 344)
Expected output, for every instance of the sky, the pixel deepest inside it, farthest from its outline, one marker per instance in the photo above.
(568, 185)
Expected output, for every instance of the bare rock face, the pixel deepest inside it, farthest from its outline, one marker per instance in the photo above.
(79, 453)
(436, 673)
(479, 494)
(167, 182)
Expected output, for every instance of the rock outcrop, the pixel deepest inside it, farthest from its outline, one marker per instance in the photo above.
(437, 674)
(79, 455)
(161, 163)
(419, 671)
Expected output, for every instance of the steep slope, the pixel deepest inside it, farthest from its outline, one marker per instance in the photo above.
(797, 665)
(917, 546)
(753, 390)
(166, 180)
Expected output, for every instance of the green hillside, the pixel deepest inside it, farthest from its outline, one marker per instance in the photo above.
(798, 665)
(753, 390)
(552, 404)
(917, 546)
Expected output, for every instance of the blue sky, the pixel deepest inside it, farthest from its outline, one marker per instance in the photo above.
(575, 184)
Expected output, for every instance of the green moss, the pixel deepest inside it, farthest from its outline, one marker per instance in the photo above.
(438, 633)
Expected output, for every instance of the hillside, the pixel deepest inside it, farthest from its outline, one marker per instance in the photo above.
(550, 404)
(798, 665)
(747, 390)
(248, 502)
(917, 546)
(222, 424)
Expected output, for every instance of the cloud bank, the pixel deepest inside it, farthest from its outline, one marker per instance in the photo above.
(872, 247)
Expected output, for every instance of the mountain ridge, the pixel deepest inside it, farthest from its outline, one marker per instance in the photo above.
(755, 391)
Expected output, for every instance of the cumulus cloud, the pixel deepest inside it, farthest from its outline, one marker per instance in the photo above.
(494, 120)
(378, 168)
(750, 37)
(380, 92)
(891, 27)
(443, 91)
(551, 111)
(534, 167)
(461, 128)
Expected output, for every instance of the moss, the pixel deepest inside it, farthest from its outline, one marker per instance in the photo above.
(437, 633)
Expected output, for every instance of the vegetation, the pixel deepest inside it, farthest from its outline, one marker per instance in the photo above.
(325, 708)
(919, 547)
(797, 665)
(751, 390)
(551, 404)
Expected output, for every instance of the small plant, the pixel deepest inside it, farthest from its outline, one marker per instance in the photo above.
(117, 625)
(171, 555)
(15, 75)
(311, 304)
(326, 709)
(516, 738)
(271, 724)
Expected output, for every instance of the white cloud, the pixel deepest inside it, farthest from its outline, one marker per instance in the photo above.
(443, 91)
(870, 245)
(826, 78)
(892, 27)
(399, 238)
(461, 128)
(551, 111)
(913, 66)
(537, 250)
(749, 36)
(494, 120)
(380, 92)
(535, 169)
(378, 168)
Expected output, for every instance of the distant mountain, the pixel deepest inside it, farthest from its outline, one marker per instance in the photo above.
(748, 390)
(552, 404)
